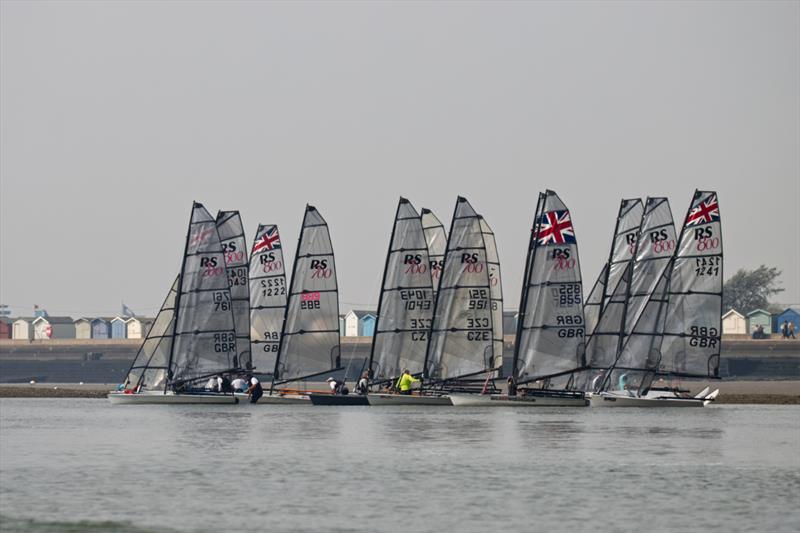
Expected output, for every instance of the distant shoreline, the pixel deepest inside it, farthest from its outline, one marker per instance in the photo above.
(731, 392)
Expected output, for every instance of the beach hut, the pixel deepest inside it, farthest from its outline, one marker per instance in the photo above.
(118, 329)
(733, 323)
(353, 322)
(83, 328)
(21, 328)
(759, 317)
(53, 327)
(788, 315)
(341, 325)
(101, 329)
(5, 327)
(133, 328)
(366, 325)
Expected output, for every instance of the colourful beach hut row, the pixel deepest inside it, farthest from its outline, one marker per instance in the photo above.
(735, 323)
(65, 327)
(361, 323)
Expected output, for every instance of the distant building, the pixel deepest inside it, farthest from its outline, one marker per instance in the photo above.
(733, 323)
(359, 323)
(53, 327)
(759, 317)
(83, 328)
(21, 328)
(788, 315)
(5, 327)
(101, 329)
(118, 328)
(133, 327)
(341, 326)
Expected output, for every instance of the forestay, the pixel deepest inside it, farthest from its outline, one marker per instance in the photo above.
(463, 335)
(691, 344)
(309, 343)
(436, 239)
(405, 308)
(231, 234)
(204, 336)
(267, 297)
(550, 329)
(149, 368)
(623, 245)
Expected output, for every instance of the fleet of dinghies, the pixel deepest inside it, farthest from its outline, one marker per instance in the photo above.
(651, 319)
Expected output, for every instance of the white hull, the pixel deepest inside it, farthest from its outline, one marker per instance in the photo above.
(277, 398)
(616, 399)
(498, 400)
(407, 399)
(160, 397)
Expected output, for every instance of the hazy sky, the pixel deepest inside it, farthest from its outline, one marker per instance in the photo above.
(114, 116)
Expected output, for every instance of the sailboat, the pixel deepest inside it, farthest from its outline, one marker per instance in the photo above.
(550, 328)
(193, 337)
(465, 344)
(309, 340)
(674, 327)
(405, 308)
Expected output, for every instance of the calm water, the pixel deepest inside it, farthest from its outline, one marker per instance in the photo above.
(74, 465)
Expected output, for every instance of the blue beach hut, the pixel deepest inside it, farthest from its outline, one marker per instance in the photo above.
(100, 328)
(118, 328)
(789, 315)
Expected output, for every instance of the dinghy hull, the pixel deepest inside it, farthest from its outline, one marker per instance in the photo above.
(500, 400)
(277, 398)
(611, 399)
(338, 399)
(158, 397)
(407, 399)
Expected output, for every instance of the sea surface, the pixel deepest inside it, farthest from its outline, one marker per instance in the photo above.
(84, 465)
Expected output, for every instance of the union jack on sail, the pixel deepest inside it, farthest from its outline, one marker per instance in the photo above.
(555, 227)
(270, 240)
(705, 213)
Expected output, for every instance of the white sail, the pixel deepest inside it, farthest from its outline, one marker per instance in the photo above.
(406, 302)
(310, 336)
(462, 340)
(268, 296)
(231, 234)
(436, 238)
(550, 332)
(693, 327)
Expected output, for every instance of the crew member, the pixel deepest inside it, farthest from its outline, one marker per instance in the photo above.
(405, 381)
(255, 391)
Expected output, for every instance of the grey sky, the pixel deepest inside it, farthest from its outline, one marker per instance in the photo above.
(115, 116)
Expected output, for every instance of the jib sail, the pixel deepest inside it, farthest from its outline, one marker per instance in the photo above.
(268, 292)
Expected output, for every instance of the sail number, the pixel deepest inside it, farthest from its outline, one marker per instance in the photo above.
(707, 266)
(273, 287)
(567, 295)
(569, 326)
(420, 327)
(415, 299)
(224, 342)
(310, 300)
(703, 337)
(222, 300)
(478, 299)
(237, 276)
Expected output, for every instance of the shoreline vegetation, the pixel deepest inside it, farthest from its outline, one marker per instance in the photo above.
(777, 392)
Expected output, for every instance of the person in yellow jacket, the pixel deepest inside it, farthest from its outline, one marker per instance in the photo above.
(405, 381)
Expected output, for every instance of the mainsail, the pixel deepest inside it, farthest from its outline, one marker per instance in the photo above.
(405, 307)
(623, 245)
(309, 343)
(464, 340)
(436, 239)
(693, 327)
(149, 368)
(204, 338)
(231, 234)
(267, 297)
(550, 328)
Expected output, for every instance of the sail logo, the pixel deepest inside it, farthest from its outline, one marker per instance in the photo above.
(561, 259)
(414, 264)
(705, 240)
(555, 227)
(200, 237)
(705, 213)
(630, 240)
(210, 267)
(319, 269)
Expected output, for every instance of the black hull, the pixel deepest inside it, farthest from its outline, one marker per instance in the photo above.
(337, 399)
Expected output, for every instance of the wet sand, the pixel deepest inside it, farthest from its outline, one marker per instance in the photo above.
(731, 392)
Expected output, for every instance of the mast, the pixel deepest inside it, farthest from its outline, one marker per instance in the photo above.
(523, 297)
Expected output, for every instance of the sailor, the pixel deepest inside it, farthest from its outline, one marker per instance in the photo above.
(512, 386)
(255, 391)
(211, 384)
(239, 385)
(334, 385)
(363, 383)
(405, 381)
